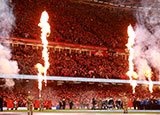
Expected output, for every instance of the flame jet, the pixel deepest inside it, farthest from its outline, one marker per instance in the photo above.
(149, 75)
(130, 45)
(45, 29)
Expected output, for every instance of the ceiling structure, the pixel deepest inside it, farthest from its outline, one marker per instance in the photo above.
(125, 2)
(155, 4)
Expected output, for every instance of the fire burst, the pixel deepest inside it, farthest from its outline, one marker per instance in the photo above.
(129, 45)
(40, 72)
(45, 29)
(149, 75)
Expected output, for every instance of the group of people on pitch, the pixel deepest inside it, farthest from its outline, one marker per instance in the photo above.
(109, 103)
(30, 101)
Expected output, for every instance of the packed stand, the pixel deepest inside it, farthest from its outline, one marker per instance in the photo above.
(72, 23)
(63, 63)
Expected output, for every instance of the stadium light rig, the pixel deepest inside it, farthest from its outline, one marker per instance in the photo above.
(45, 29)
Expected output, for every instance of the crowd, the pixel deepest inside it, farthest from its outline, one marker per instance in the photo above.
(79, 94)
(63, 63)
(71, 23)
(76, 23)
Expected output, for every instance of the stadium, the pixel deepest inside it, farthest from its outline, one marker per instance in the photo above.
(79, 57)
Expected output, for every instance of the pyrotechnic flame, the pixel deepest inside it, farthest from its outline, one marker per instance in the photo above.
(45, 29)
(134, 84)
(133, 74)
(40, 68)
(129, 45)
(148, 74)
(40, 76)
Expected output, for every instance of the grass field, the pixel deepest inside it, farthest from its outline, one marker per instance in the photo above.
(92, 111)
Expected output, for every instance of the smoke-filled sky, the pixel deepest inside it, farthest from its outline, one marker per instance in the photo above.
(7, 21)
(147, 44)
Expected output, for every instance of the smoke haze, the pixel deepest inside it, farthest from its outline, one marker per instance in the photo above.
(7, 21)
(147, 45)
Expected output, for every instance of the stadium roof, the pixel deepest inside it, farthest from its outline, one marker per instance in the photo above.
(125, 2)
(130, 3)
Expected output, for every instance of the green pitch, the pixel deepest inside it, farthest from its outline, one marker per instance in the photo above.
(88, 111)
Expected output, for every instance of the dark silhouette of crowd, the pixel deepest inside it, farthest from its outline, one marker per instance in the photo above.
(74, 22)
